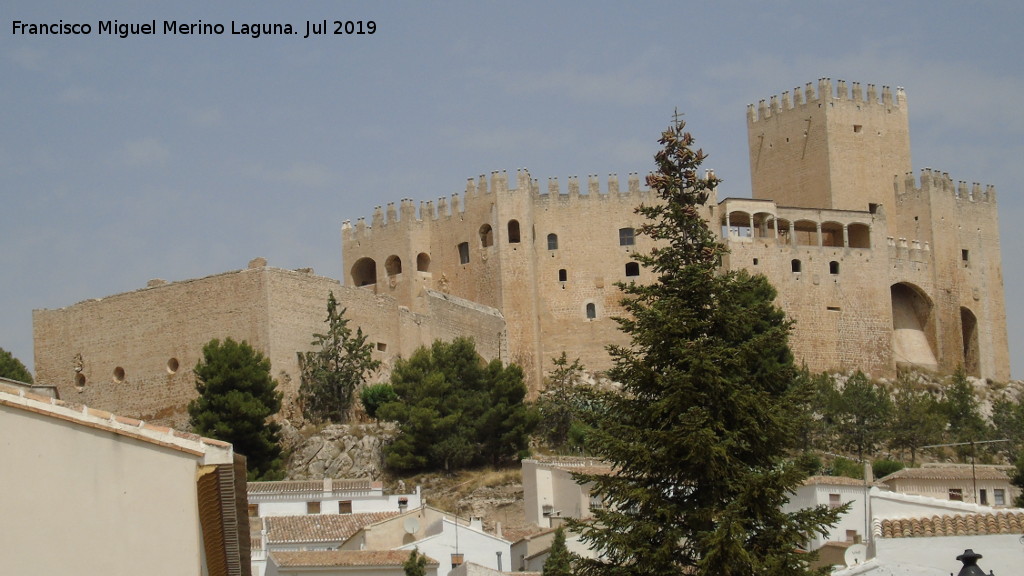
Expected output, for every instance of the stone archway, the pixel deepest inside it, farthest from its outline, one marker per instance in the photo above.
(913, 325)
(972, 352)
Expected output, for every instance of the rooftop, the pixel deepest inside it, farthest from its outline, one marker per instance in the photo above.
(953, 525)
(324, 558)
(319, 527)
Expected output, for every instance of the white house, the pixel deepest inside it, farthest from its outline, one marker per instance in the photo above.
(453, 544)
(551, 491)
(329, 496)
(835, 491)
(978, 484)
(85, 492)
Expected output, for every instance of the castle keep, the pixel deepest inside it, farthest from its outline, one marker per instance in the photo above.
(879, 268)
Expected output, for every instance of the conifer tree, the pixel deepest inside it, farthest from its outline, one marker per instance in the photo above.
(237, 398)
(11, 367)
(699, 435)
(332, 374)
(559, 561)
(415, 564)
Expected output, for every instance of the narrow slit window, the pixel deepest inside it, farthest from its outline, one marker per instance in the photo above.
(833, 268)
(464, 253)
(591, 311)
(563, 275)
(513, 231)
(552, 241)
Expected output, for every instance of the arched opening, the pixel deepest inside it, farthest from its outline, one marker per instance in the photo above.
(513, 231)
(785, 234)
(912, 324)
(832, 234)
(833, 268)
(764, 225)
(552, 241)
(486, 236)
(393, 265)
(969, 329)
(859, 235)
(805, 233)
(591, 311)
(364, 272)
(795, 265)
(737, 225)
(423, 262)
(632, 269)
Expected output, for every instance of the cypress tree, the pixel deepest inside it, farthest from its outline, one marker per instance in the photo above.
(700, 433)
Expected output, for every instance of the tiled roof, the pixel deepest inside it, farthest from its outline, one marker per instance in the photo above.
(323, 558)
(948, 473)
(576, 465)
(17, 397)
(958, 525)
(833, 481)
(517, 534)
(319, 527)
(296, 486)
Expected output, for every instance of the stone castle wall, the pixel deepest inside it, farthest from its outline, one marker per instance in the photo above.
(135, 351)
(877, 268)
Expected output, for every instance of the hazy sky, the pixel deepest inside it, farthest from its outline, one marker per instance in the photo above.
(180, 156)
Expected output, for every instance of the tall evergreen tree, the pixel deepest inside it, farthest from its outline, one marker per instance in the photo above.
(916, 419)
(963, 414)
(11, 367)
(237, 398)
(700, 433)
(332, 373)
(559, 561)
(864, 415)
(415, 564)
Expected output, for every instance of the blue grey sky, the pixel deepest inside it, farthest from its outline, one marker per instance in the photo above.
(176, 157)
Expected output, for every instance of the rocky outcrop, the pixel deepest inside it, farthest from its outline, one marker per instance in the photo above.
(336, 450)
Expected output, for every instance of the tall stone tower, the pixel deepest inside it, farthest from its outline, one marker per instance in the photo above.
(829, 150)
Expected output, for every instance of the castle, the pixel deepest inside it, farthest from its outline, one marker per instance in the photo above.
(879, 269)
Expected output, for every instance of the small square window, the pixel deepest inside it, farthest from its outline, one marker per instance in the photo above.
(627, 237)
(312, 507)
(345, 507)
(956, 494)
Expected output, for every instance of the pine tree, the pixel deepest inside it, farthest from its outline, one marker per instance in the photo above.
(237, 398)
(698, 436)
(963, 413)
(331, 374)
(559, 561)
(916, 419)
(864, 416)
(11, 367)
(415, 564)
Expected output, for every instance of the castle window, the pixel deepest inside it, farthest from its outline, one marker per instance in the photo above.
(591, 311)
(513, 231)
(755, 261)
(172, 366)
(552, 241)
(382, 347)
(423, 262)
(858, 235)
(563, 275)
(857, 128)
(632, 269)
(795, 264)
(118, 375)
(965, 256)
(393, 265)
(833, 268)
(80, 380)
(464, 253)
(486, 236)
(627, 237)
(364, 272)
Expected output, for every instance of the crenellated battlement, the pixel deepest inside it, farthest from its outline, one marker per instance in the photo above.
(485, 188)
(778, 104)
(940, 182)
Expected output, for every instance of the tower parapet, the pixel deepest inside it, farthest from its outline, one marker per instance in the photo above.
(935, 181)
(778, 104)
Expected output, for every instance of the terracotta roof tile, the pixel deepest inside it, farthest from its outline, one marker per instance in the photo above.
(323, 558)
(319, 527)
(833, 481)
(296, 486)
(948, 473)
(958, 525)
